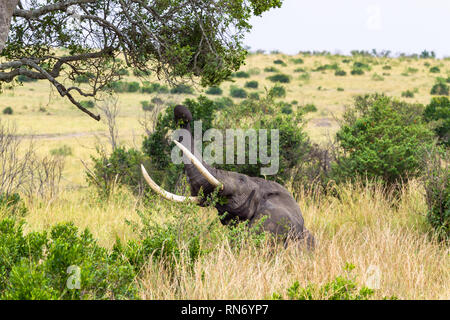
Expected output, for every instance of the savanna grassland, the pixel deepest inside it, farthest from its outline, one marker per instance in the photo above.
(366, 226)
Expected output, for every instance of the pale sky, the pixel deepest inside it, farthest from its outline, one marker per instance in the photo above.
(408, 26)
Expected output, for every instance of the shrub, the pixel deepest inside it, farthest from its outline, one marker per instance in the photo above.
(343, 287)
(361, 65)
(254, 71)
(310, 107)
(299, 70)
(282, 78)
(146, 106)
(340, 73)
(84, 78)
(381, 138)
(123, 86)
(238, 92)
(253, 95)
(35, 266)
(408, 94)
(214, 91)
(12, 206)
(241, 74)
(286, 108)
(280, 62)
(140, 73)
(438, 112)
(435, 69)
(340, 89)
(251, 84)
(88, 104)
(440, 88)
(120, 167)
(297, 60)
(437, 190)
(377, 77)
(357, 72)
(157, 100)
(23, 78)
(123, 72)
(8, 110)
(153, 88)
(324, 67)
(62, 151)
(182, 89)
(278, 91)
(387, 67)
(271, 69)
(304, 77)
(223, 102)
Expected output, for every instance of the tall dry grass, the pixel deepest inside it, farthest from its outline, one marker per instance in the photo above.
(364, 228)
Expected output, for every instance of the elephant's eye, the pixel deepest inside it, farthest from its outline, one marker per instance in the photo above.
(241, 179)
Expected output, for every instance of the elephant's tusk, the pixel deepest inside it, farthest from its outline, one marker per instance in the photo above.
(197, 163)
(165, 194)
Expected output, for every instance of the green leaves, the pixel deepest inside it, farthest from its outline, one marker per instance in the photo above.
(382, 139)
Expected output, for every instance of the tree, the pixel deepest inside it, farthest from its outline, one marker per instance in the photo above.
(67, 40)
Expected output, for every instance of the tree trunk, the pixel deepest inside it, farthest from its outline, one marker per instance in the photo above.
(6, 11)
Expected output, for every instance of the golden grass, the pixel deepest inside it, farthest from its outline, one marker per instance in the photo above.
(363, 229)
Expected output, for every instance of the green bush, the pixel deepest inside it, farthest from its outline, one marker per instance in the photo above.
(12, 206)
(340, 89)
(324, 67)
(241, 74)
(88, 104)
(214, 91)
(123, 72)
(438, 112)
(23, 78)
(286, 108)
(282, 78)
(271, 69)
(236, 92)
(36, 266)
(440, 88)
(361, 65)
(8, 110)
(157, 100)
(343, 287)
(299, 70)
(62, 151)
(377, 77)
(253, 95)
(140, 73)
(297, 60)
(84, 78)
(147, 106)
(123, 86)
(387, 67)
(120, 167)
(340, 73)
(435, 69)
(278, 91)
(223, 102)
(182, 89)
(381, 138)
(437, 189)
(357, 72)
(408, 94)
(148, 87)
(310, 108)
(279, 62)
(251, 84)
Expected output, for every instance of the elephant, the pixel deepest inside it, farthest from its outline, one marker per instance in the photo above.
(246, 198)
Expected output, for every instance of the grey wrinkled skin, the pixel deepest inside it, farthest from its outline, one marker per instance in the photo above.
(248, 198)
